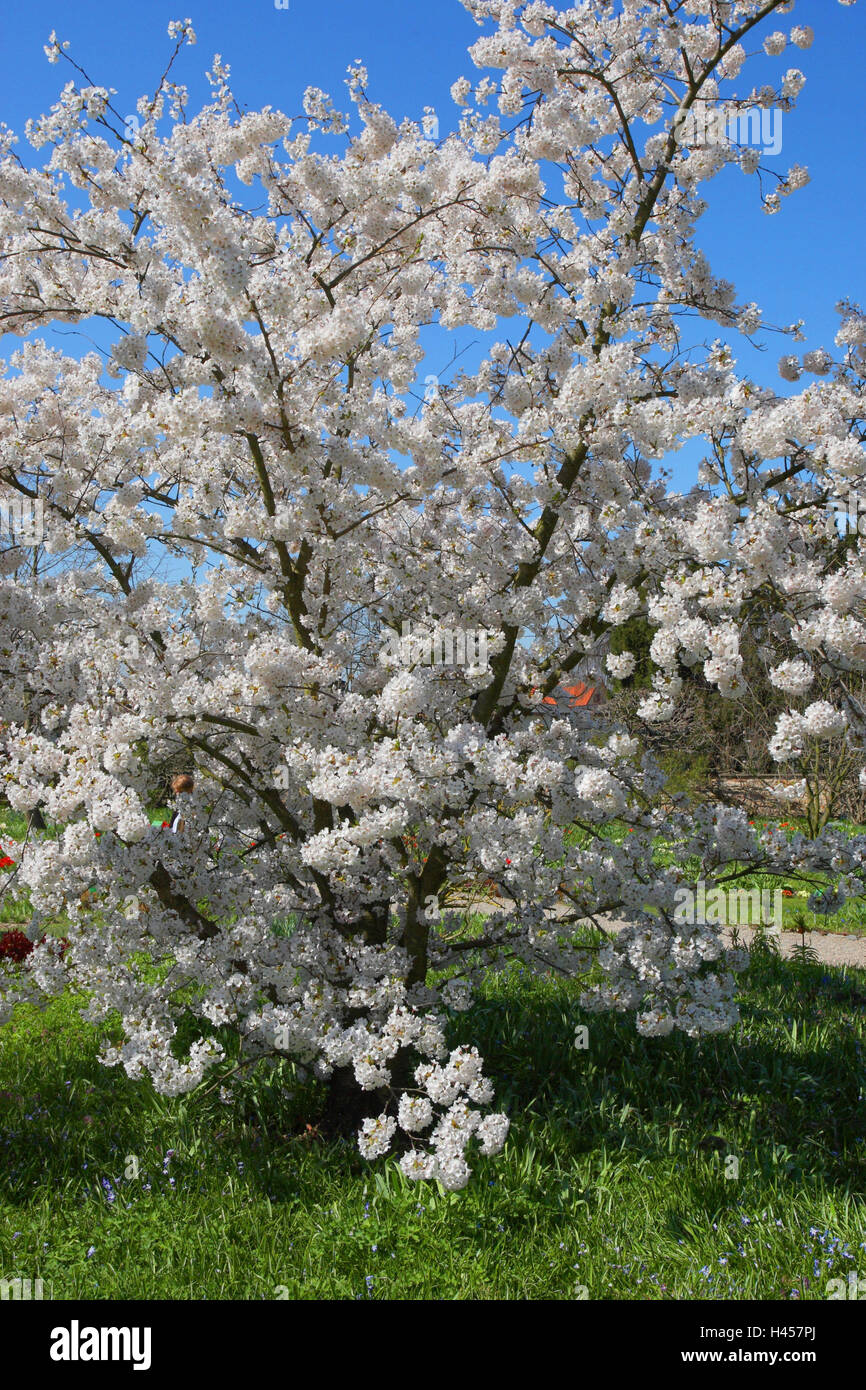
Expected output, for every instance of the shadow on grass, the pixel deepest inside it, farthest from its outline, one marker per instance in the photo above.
(781, 1094)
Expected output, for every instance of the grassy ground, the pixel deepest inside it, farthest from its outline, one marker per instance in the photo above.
(613, 1181)
(637, 1169)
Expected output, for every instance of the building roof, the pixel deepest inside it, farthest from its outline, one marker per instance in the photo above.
(572, 696)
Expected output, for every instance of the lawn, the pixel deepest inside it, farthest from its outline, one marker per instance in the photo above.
(729, 1168)
(613, 1183)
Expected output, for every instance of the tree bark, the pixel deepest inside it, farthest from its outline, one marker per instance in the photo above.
(347, 1105)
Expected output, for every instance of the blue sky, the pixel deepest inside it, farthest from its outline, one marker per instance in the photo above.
(797, 264)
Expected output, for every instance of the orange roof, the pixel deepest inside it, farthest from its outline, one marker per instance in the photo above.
(579, 695)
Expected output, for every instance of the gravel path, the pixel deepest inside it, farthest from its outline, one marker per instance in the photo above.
(833, 948)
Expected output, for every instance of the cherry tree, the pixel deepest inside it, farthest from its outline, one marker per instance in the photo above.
(246, 493)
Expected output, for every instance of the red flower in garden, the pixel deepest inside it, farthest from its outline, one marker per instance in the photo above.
(6, 862)
(14, 945)
(787, 892)
(166, 824)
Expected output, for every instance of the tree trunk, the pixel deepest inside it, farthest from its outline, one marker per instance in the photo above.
(347, 1105)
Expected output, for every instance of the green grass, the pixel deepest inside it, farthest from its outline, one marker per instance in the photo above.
(613, 1177)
